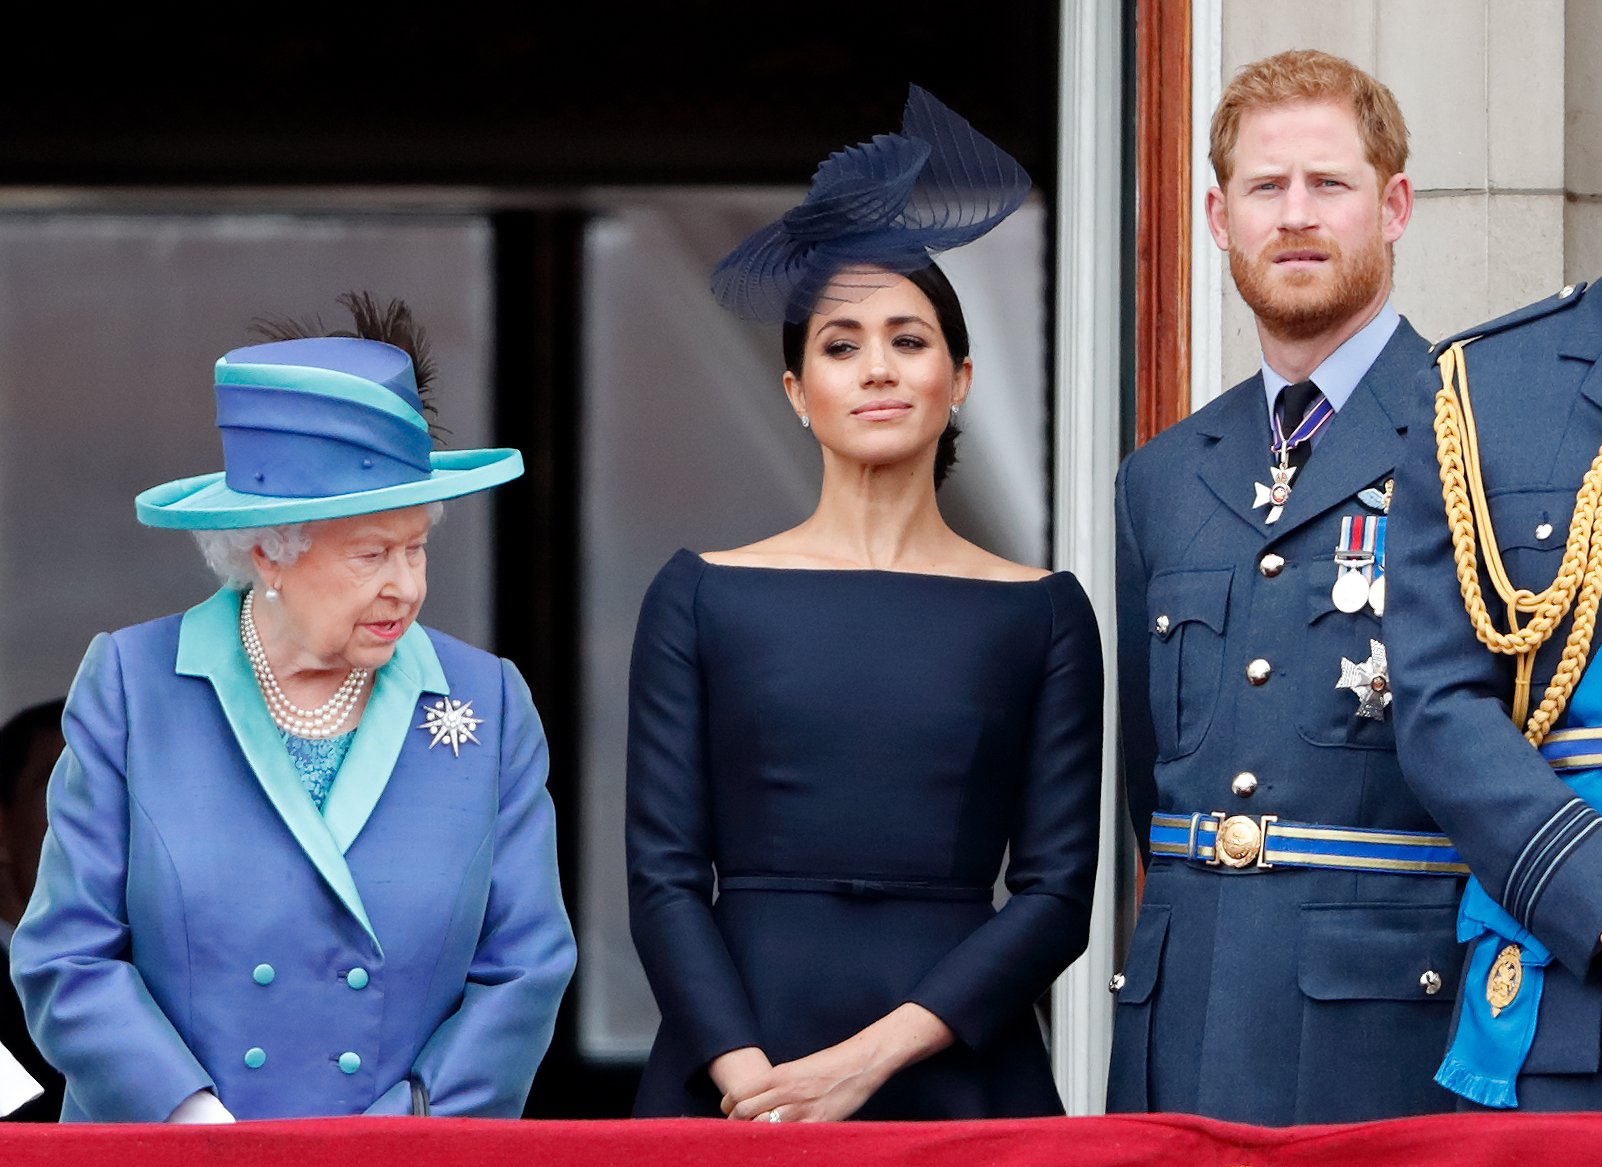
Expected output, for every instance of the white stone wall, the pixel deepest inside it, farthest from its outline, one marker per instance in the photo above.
(1503, 100)
(1582, 144)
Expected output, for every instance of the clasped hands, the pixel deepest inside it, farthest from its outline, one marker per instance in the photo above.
(832, 1083)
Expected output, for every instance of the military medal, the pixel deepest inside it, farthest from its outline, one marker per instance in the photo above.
(1505, 978)
(452, 722)
(1376, 590)
(1276, 496)
(1354, 559)
(1369, 682)
(1277, 493)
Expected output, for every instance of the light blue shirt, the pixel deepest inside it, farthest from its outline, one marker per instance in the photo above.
(1340, 372)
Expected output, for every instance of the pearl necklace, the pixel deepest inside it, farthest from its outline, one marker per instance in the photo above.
(323, 722)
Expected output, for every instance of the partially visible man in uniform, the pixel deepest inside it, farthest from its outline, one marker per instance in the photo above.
(1294, 958)
(1499, 727)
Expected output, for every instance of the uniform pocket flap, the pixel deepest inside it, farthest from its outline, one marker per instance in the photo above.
(1379, 952)
(1145, 955)
(1176, 597)
(1532, 519)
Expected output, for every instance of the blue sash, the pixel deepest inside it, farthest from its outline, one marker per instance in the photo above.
(1488, 1050)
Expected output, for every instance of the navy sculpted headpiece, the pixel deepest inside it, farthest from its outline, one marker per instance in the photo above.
(887, 204)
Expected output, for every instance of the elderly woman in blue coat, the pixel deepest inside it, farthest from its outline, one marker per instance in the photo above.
(301, 857)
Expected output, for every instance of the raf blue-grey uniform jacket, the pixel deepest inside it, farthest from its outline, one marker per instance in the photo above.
(1282, 995)
(1535, 384)
(198, 925)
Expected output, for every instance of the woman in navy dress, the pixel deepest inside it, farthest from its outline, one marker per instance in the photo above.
(843, 729)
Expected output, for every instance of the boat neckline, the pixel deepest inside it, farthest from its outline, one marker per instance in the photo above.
(866, 571)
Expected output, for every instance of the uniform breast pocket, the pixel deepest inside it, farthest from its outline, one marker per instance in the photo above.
(1187, 610)
(1532, 527)
(1330, 714)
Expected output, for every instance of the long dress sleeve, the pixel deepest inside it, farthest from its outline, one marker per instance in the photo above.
(669, 829)
(1051, 871)
(1137, 738)
(88, 1007)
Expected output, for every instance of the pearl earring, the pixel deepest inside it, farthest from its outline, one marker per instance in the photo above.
(270, 594)
(806, 422)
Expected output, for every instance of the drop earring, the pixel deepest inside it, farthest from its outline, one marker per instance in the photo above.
(954, 414)
(270, 594)
(806, 421)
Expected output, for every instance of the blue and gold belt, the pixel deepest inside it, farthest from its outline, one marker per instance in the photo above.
(1263, 842)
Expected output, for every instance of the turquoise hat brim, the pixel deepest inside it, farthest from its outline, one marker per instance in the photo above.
(206, 503)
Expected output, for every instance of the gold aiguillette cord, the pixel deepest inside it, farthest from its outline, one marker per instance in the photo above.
(1580, 573)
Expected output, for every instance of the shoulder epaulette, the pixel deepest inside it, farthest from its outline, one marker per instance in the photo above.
(1567, 298)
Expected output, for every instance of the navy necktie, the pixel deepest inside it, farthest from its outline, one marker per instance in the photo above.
(1294, 403)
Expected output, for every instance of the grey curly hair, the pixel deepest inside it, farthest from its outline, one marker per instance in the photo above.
(228, 553)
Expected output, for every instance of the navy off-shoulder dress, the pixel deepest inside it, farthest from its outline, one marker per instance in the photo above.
(846, 758)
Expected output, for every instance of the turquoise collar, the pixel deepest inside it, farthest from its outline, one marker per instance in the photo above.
(208, 646)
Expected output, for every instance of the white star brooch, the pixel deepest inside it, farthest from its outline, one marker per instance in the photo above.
(451, 722)
(1369, 682)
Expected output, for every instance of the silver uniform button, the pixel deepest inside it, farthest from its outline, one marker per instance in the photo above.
(1271, 565)
(1162, 626)
(1258, 671)
(1430, 982)
(1116, 983)
(1244, 784)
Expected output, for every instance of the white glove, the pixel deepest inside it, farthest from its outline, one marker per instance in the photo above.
(201, 1106)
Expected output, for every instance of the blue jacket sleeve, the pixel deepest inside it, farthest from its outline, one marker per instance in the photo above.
(1533, 849)
(1004, 965)
(88, 1007)
(669, 830)
(482, 1058)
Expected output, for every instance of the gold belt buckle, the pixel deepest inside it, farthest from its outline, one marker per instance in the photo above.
(1239, 840)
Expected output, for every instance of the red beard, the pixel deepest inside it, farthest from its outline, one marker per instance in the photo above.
(1299, 305)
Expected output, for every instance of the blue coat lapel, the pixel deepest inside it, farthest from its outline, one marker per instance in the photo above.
(1240, 457)
(1365, 441)
(208, 646)
(1583, 342)
(388, 721)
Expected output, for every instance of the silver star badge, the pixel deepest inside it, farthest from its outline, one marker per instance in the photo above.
(1276, 496)
(1369, 682)
(451, 722)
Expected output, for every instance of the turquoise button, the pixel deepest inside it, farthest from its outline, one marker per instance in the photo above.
(357, 978)
(349, 1062)
(255, 1057)
(264, 974)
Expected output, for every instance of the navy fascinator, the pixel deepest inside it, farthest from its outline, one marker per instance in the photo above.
(882, 206)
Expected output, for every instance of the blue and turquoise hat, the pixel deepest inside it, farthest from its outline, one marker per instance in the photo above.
(320, 428)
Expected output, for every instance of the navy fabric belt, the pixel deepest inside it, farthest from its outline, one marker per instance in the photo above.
(1264, 842)
(876, 889)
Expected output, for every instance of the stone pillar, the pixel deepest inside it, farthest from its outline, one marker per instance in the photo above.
(1582, 147)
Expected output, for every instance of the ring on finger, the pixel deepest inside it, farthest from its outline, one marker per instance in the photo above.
(773, 1115)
